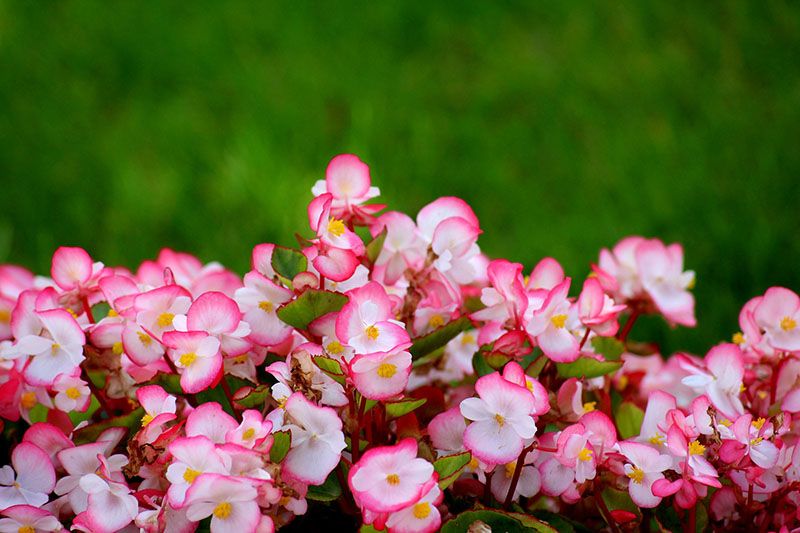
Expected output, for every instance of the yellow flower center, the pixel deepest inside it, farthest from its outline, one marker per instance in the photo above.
(725, 422)
(266, 306)
(335, 348)
(422, 510)
(72, 393)
(164, 320)
(788, 323)
(500, 420)
(144, 338)
(558, 320)
(468, 338)
(26, 529)
(436, 321)
(335, 227)
(372, 333)
(695, 448)
(117, 348)
(190, 474)
(473, 463)
(393, 479)
(756, 441)
(249, 433)
(585, 454)
(657, 439)
(738, 338)
(146, 419)
(588, 407)
(112, 313)
(5, 316)
(758, 423)
(55, 348)
(510, 467)
(386, 370)
(636, 475)
(240, 359)
(187, 359)
(223, 510)
(27, 400)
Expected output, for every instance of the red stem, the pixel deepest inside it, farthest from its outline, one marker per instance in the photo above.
(622, 335)
(356, 436)
(87, 309)
(515, 478)
(585, 338)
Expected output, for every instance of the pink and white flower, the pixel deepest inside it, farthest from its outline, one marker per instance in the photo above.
(548, 325)
(196, 355)
(31, 479)
(645, 466)
(366, 322)
(230, 502)
(380, 376)
(28, 519)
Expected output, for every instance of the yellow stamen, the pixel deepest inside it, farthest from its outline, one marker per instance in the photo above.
(372, 333)
(164, 320)
(190, 474)
(335, 348)
(657, 439)
(558, 320)
(386, 370)
(738, 338)
(336, 227)
(240, 359)
(636, 475)
(249, 433)
(510, 467)
(756, 441)
(5, 316)
(473, 463)
(758, 423)
(500, 419)
(117, 348)
(146, 419)
(788, 323)
(585, 454)
(112, 313)
(27, 400)
(468, 338)
(223, 510)
(762, 394)
(55, 348)
(266, 306)
(393, 479)
(72, 393)
(695, 448)
(144, 338)
(187, 359)
(422, 510)
(588, 407)
(725, 422)
(26, 529)
(436, 321)
(73, 313)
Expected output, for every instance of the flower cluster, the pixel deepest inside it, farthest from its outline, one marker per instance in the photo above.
(389, 372)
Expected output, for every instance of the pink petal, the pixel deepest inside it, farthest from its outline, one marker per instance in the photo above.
(347, 177)
(214, 313)
(71, 268)
(546, 274)
(35, 472)
(443, 208)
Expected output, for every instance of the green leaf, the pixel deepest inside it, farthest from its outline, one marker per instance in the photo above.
(368, 528)
(331, 367)
(288, 262)
(280, 446)
(450, 467)
(309, 306)
(327, 492)
(560, 522)
(77, 417)
(375, 246)
(217, 394)
(255, 398)
(498, 521)
(619, 500)
(132, 421)
(629, 420)
(496, 360)
(439, 337)
(587, 367)
(38, 413)
(169, 382)
(480, 365)
(428, 359)
(402, 407)
(608, 347)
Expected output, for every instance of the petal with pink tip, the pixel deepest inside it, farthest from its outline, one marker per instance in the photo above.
(443, 208)
(347, 177)
(336, 264)
(34, 470)
(546, 274)
(71, 268)
(213, 312)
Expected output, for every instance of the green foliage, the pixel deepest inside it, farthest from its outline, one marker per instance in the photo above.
(450, 467)
(255, 398)
(566, 125)
(497, 521)
(629, 420)
(402, 407)
(309, 306)
(327, 492)
(132, 421)
(587, 367)
(608, 347)
(439, 337)
(280, 446)
(288, 262)
(375, 246)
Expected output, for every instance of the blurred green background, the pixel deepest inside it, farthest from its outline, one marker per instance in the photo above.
(127, 126)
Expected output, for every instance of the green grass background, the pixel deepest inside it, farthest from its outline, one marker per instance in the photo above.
(127, 126)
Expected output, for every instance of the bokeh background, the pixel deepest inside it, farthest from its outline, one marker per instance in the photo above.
(128, 126)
